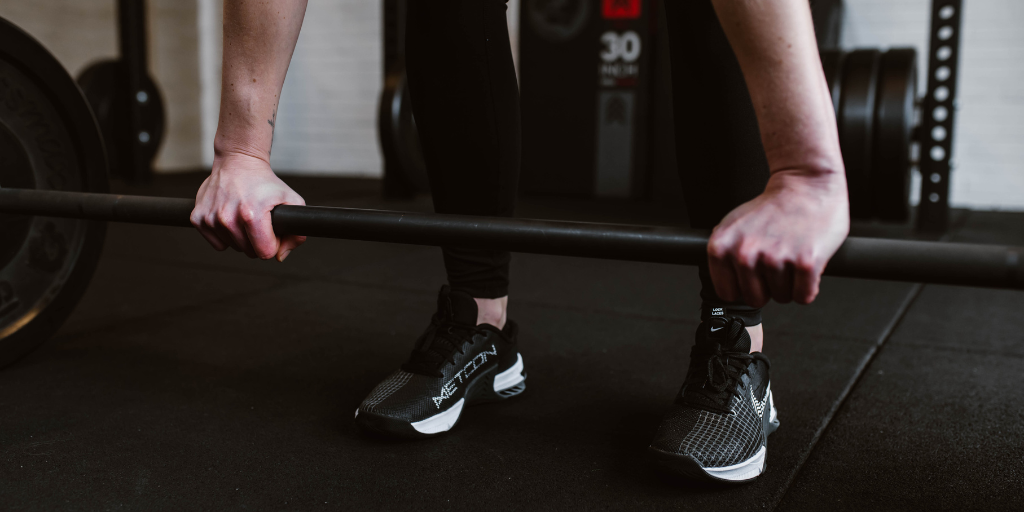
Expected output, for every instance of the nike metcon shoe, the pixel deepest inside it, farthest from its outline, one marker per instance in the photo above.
(718, 427)
(455, 363)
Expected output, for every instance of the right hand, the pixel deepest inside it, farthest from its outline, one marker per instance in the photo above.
(233, 207)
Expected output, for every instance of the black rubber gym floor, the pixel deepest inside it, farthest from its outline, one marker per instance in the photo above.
(194, 380)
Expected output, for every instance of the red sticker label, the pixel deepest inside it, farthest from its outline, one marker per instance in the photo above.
(621, 9)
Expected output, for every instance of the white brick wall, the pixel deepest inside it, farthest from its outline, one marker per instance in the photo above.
(988, 151)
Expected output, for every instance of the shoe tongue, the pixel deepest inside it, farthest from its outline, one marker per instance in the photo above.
(456, 306)
(730, 335)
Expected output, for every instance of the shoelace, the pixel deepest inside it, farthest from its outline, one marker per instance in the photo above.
(437, 347)
(724, 368)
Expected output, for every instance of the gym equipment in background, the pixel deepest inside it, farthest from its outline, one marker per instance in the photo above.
(939, 105)
(585, 80)
(405, 172)
(874, 96)
(48, 141)
(126, 100)
(828, 22)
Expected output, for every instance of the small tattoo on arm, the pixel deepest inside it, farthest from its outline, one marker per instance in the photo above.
(272, 122)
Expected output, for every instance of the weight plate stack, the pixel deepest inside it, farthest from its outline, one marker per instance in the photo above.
(832, 64)
(894, 126)
(49, 140)
(103, 85)
(856, 126)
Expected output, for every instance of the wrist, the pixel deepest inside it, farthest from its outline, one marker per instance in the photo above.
(225, 149)
(827, 183)
(245, 127)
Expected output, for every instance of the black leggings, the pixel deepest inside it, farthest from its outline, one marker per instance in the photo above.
(466, 100)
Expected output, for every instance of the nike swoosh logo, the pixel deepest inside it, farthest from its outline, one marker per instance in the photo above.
(719, 329)
(759, 405)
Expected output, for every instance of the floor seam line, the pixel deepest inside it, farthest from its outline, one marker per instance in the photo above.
(866, 361)
(848, 390)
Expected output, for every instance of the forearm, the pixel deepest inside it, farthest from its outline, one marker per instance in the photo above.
(259, 38)
(774, 43)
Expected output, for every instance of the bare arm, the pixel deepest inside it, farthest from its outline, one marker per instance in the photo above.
(233, 205)
(777, 245)
(775, 45)
(259, 38)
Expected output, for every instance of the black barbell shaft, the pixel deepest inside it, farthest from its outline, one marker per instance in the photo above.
(870, 258)
(162, 211)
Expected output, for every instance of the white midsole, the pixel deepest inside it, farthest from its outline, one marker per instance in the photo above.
(510, 377)
(440, 422)
(745, 470)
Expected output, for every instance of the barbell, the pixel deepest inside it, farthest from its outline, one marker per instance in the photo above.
(871, 258)
(54, 205)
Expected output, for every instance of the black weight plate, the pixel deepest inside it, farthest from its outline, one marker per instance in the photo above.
(400, 141)
(856, 126)
(102, 82)
(51, 139)
(832, 64)
(411, 151)
(894, 126)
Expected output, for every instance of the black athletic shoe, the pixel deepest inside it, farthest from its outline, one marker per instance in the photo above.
(718, 427)
(455, 363)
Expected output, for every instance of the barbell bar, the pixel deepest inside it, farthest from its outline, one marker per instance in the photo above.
(978, 265)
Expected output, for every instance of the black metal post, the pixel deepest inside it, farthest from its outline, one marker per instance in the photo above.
(395, 182)
(132, 25)
(869, 258)
(938, 115)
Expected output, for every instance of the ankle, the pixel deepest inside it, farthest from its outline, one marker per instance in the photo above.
(492, 311)
(756, 338)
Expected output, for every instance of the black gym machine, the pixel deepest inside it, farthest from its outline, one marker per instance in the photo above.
(54, 202)
(874, 95)
(126, 100)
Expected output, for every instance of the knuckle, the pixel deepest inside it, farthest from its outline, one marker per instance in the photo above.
(805, 263)
(247, 214)
(224, 216)
(717, 249)
(748, 252)
(747, 258)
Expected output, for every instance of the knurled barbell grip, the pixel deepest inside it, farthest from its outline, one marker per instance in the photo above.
(870, 258)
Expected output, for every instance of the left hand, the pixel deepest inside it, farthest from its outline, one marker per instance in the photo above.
(776, 246)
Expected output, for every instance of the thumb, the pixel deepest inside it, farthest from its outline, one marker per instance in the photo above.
(287, 244)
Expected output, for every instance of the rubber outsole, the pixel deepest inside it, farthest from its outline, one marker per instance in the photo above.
(688, 467)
